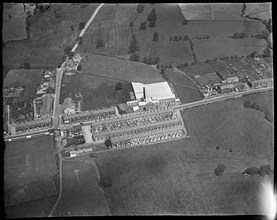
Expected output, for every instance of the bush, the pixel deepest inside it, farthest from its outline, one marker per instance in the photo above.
(26, 65)
(219, 170)
(81, 25)
(72, 28)
(79, 67)
(156, 60)
(247, 104)
(155, 36)
(131, 24)
(133, 47)
(184, 22)
(265, 170)
(134, 57)
(140, 8)
(152, 16)
(186, 38)
(70, 54)
(142, 26)
(251, 171)
(118, 86)
(108, 142)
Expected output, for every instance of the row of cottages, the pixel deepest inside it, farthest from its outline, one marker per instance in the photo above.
(43, 106)
(152, 96)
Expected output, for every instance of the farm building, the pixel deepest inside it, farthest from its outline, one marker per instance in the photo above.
(260, 83)
(153, 96)
(226, 88)
(68, 106)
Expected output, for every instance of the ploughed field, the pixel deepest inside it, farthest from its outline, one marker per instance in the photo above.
(177, 177)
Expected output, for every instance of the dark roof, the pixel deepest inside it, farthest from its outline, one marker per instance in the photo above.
(211, 78)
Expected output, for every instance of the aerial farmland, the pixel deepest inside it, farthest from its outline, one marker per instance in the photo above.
(114, 109)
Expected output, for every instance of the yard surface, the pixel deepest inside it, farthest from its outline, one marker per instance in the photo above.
(81, 194)
(97, 92)
(177, 177)
(226, 47)
(120, 69)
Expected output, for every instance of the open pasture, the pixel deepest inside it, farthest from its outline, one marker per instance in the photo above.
(186, 88)
(212, 11)
(258, 10)
(218, 29)
(81, 195)
(120, 69)
(113, 28)
(211, 48)
(177, 177)
(13, 22)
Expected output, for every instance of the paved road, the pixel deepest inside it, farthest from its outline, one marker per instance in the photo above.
(87, 25)
(220, 98)
(24, 136)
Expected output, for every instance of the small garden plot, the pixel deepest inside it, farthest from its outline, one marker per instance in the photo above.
(212, 48)
(22, 77)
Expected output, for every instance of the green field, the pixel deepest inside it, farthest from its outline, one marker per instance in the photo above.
(186, 88)
(81, 194)
(211, 48)
(218, 29)
(13, 22)
(112, 26)
(168, 21)
(120, 69)
(213, 11)
(97, 92)
(252, 10)
(177, 177)
(49, 35)
(30, 167)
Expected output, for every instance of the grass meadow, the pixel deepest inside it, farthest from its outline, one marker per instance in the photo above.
(177, 177)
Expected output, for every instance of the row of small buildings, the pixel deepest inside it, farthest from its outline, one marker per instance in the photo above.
(233, 75)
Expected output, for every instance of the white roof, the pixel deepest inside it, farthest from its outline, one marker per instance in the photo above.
(157, 91)
(138, 89)
(135, 108)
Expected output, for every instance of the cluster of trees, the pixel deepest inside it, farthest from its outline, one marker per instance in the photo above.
(152, 17)
(72, 28)
(193, 54)
(199, 38)
(142, 25)
(133, 47)
(150, 60)
(26, 65)
(134, 57)
(254, 105)
(131, 23)
(262, 35)
(108, 143)
(41, 8)
(219, 170)
(140, 8)
(239, 35)
(155, 36)
(177, 38)
(81, 25)
(263, 170)
(80, 40)
(182, 65)
(79, 67)
(118, 86)
(164, 74)
(67, 51)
